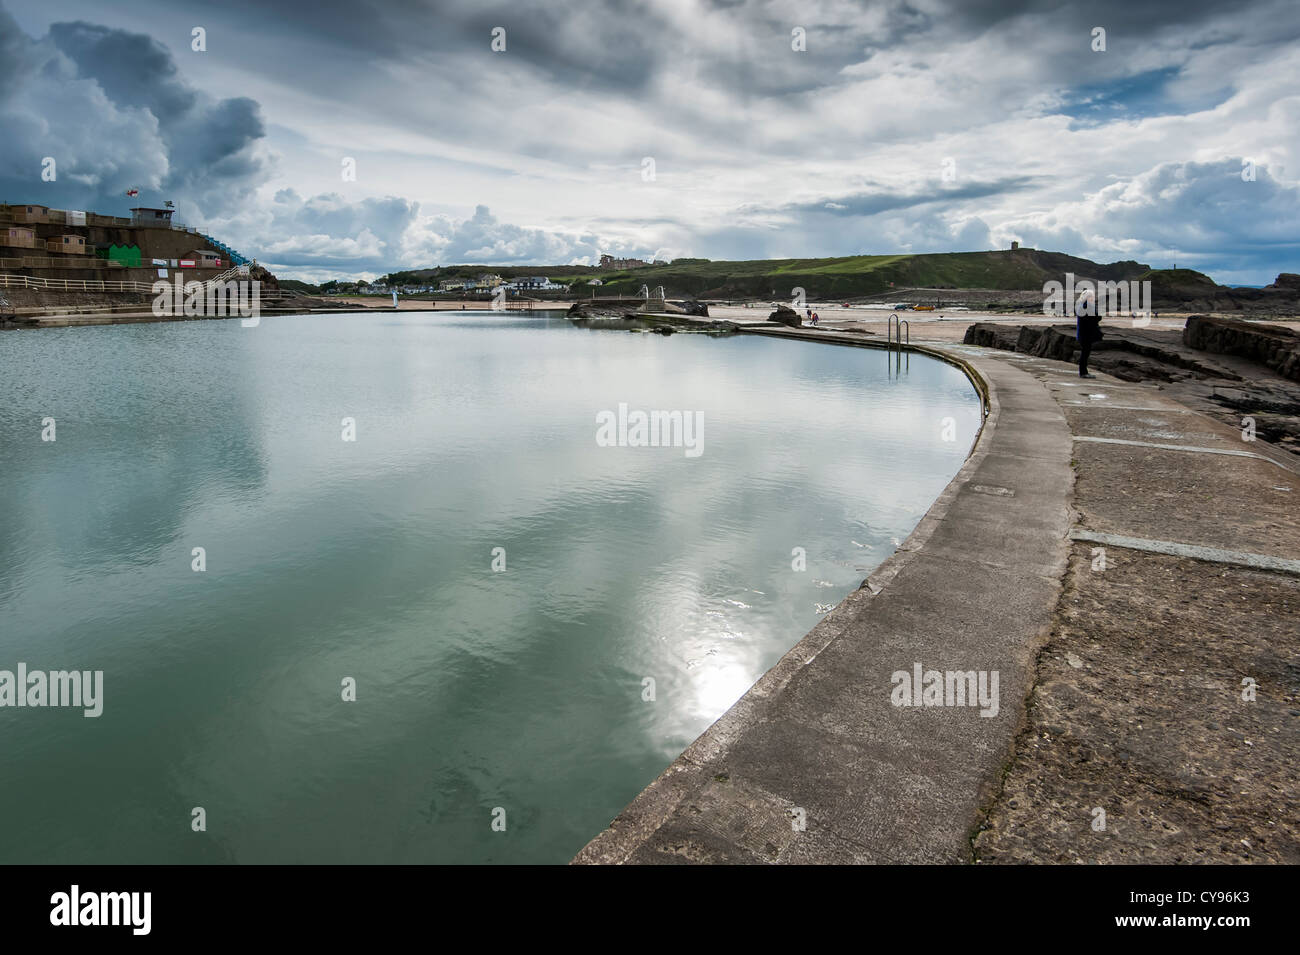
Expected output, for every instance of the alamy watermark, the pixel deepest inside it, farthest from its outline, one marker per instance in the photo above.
(1131, 299)
(653, 429)
(77, 907)
(228, 299)
(74, 688)
(923, 687)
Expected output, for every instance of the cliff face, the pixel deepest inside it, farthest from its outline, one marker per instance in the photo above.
(1184, 290)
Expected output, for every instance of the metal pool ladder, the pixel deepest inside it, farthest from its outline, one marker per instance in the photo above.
(902, 325)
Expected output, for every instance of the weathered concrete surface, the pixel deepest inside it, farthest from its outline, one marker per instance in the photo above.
(818, 735)
(1137, 708)
(1138, 711)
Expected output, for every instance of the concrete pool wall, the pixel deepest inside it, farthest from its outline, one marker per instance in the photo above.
(815, 763)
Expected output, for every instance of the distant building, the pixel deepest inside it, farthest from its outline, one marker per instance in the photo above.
(1014, 246)
(618, 265)
(206, 259)
(18, 238)
(143, 216)
(535, 283)
(31, 213)
(67, 244)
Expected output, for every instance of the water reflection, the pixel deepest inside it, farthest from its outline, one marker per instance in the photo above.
(373, 560)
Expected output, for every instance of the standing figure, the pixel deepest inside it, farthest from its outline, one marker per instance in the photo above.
(1087, 330)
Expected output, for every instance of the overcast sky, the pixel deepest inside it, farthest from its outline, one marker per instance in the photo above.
(922, 126)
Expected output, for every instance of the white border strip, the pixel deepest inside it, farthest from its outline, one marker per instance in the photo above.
(1175, 447)
(1195, 551)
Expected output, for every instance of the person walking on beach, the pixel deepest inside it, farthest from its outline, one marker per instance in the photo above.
(814, 318)
(1087, 329)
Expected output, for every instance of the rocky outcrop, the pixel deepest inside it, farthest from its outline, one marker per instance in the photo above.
(785, 315)
(1256, 375)
(992, 335)
(586, 310)
(1051, 341)
(1123, 353)
(1274, 347)
(1043, 341)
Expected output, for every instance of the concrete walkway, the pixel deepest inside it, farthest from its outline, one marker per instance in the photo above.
(1164, 724)
(1132, 665)
(815, 763)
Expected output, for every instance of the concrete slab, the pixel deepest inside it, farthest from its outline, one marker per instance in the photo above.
(1138, 712)
(1206, 499)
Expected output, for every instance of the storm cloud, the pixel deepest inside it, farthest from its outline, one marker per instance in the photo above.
(697, 127)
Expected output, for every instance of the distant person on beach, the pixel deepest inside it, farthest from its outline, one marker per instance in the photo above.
(1087, 330)
(814, 318)
(810, 316)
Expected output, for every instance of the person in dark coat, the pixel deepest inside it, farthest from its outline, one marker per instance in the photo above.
(1087, 330)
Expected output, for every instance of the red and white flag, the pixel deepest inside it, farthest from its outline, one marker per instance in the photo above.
(132, 193)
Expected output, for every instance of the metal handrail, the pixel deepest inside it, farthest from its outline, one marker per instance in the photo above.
(898, 323)
(99, 285)
(71, 285)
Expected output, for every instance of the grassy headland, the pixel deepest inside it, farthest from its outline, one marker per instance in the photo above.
(1021, 273)
(847, 277)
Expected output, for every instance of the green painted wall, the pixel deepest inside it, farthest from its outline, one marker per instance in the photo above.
(128, 255)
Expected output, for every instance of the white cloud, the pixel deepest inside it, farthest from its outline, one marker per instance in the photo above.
(746, 133)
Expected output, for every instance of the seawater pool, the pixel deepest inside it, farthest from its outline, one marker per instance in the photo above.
(481, 693)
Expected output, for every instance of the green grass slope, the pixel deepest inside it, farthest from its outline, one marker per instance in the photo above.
(822, 279)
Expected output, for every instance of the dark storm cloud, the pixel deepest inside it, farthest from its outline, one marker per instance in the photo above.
(207, 141)
(113, 111)
(627, 50)
(132, 69)
(711, 89)
(622, 45)
(892, 200)
(640, 65)
(13, 55)
(1203, 213)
